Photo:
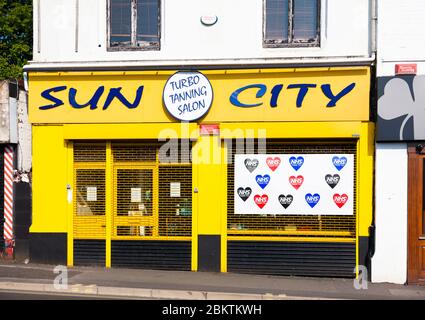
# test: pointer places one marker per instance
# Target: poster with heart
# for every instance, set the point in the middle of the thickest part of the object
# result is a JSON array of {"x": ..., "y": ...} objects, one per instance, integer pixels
[{"x": 294, "y": 184}]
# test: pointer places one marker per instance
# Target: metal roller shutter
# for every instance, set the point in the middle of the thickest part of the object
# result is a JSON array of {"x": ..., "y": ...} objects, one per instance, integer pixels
[
  {"x": 151, "y": 207},
  {"x": 257, "y": 243}
]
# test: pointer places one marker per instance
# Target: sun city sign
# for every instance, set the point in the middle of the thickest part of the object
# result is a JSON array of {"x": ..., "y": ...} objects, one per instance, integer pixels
[{"x": 188, "y": 96}]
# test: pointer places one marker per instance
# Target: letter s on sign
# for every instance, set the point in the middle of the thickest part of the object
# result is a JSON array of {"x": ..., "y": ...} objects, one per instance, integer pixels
[
  {"x": 234, "y": 98},
  {"x": 46, "y": 95}
]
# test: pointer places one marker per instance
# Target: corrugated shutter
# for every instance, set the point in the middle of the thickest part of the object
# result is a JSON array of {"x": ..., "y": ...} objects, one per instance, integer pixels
[
  {"x": 281, "y": 244},
  {"x": 146, "y": 254},
  {"x": 292, "y": 258},
  {"x": 89, "y": 219},
  {"x": 151, "y": 205},
  {"x": 89, "y": 252}
]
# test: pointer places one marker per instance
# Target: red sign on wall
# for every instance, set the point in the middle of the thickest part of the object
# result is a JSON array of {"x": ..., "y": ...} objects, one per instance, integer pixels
[
  {"x": 410, "y": 68},
  {"x": 210, "y": 129}
]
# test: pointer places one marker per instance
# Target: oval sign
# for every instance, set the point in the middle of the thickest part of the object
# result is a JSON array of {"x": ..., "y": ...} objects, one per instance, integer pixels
[
  {"x": 209, "y": 20},
  {"x": 187, "y": 96}
]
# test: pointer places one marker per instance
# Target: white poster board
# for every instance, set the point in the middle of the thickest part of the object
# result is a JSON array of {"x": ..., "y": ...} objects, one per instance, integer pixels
[
  {"x": 175, "y": 189},
  {"x": 91, "y": 193},
  {"x": 294, "y": 184},
  {"x": 136, "y": 194}
]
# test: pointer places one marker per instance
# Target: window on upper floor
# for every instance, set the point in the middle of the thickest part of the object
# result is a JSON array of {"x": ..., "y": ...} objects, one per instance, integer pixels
[
  {"x": 134, "y": 24},
  {"x": 291, "y": 23}
]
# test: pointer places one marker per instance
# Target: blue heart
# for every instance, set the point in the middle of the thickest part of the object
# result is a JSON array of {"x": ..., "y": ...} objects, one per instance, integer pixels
[
  {"x": 312, "y": 199},
  {"x": 296, "y": 163},
  {"x": 262, "y": 181},
  {"x": 339, "y": 163}
]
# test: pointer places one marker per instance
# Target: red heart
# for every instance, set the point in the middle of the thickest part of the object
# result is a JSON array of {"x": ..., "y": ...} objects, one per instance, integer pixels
[
  {"x": 261, "y": 200},
  {"x": 273, "y": 163},
  {"x": 296, "y": 182},
  {"x": 340, "y": 200}
]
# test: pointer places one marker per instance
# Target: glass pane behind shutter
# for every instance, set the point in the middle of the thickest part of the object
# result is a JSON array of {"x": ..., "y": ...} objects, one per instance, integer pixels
[
  {"x": 277, "y": 20},
  {"x": 120, "y": 22},
  {"x": 147, "y": 20},
  {"x": 305, "y": 20}
]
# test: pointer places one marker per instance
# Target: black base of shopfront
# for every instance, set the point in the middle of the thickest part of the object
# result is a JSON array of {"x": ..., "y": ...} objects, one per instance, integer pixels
[
  {"x": 89, "y": 252},
  {"x": 366, "y": 251},
  {"x": 145, "y": 254},
  {"x": 325, "y": 259},
  {"x": 50, "y": 248},
  {"x": 22, "y": 219},
  {"x": 209, "y": 253}
]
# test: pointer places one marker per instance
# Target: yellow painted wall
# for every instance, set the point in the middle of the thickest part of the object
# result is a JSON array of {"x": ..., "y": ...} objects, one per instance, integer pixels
[{"x": 49, "y": 156}]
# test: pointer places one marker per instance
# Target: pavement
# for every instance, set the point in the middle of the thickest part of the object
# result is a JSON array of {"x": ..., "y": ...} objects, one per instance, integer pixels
[{"x": 186, "y": 285}]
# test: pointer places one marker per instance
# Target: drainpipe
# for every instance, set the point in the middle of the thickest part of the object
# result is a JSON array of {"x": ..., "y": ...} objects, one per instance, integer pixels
[
  {"x": 373, "y": 26},
  {"x": 373, "y": 48}
]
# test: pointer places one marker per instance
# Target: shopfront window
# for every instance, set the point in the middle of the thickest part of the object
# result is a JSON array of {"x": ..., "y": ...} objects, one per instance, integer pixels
[
  {"x": 276, "y": 198},
  {"x": 150, "y": 186}
]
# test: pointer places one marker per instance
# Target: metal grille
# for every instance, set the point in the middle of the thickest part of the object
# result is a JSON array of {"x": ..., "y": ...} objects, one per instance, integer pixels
[
  {"x": 89, "y": 204},
  {"x": 290, "y": 225},
  {"x": 150, "y": 201},
  {"x": 144, "y": 204},
  {"x": 89, "y": 152},
  {"x": 131, "y": 152},
  {"x": 134, "y": 210},
  {"x": 175, "y": 212},
  {"x": 150, "y": 198}
]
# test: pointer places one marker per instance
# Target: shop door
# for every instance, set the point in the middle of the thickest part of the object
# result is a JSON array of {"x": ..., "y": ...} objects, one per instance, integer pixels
[
  {"x": 416, "y": 218},
  {"x": 135, "y": 214},
  {"x": 89, "y": 214}
]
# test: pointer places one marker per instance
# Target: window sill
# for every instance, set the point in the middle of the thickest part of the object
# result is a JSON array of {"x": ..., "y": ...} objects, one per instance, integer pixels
[
  {"x": 133, "y": 48},
  {"x": 315, "y": 44}
]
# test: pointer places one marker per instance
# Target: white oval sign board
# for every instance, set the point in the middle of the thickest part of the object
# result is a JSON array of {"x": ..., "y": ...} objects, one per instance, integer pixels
[
  {"x": 209, "y": 20},
  {"x": 187, "y": 96}
]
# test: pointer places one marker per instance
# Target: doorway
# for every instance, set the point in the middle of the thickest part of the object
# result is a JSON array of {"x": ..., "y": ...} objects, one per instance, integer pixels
[{"x": 416, "y": 215}]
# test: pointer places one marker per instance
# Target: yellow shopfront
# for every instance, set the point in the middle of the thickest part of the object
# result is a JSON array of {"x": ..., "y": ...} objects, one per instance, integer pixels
[{"x": 120, "y": 178}]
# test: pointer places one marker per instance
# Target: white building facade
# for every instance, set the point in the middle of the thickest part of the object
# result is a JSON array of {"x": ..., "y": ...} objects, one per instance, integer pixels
[
  {"x": 75, "y": 34},
  {"x": 400, "y": 133}
]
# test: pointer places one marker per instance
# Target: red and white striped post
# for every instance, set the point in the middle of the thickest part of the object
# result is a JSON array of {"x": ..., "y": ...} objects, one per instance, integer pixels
[{"x": 8, "y": 201}]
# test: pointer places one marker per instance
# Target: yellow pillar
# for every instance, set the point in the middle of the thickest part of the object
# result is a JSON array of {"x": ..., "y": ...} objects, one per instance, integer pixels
[
  {"x": 109, "y": 204},
  {"x": 208, "y": 202},
  {"x": 70, "y": 201},
  {"x": 365, "y": 174},
  {"x": 364, "y": 187}
]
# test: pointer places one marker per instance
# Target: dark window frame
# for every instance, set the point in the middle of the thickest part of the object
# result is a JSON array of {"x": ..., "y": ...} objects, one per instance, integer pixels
[
  {"x": 291, "y": 43},
  {"x": 135, "y": 44}
]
